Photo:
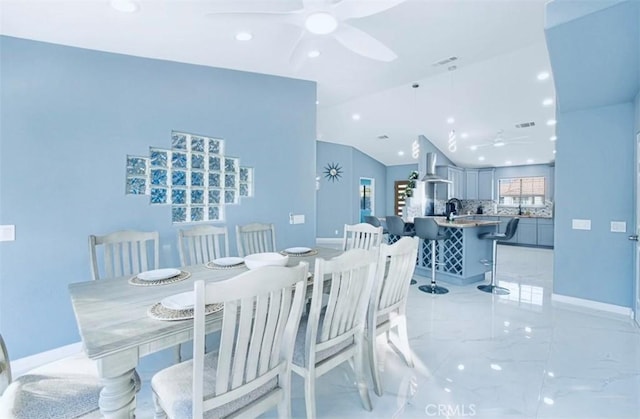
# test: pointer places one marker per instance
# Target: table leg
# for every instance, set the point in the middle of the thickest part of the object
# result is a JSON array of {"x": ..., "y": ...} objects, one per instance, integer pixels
[{"x": 118, "y": 396}]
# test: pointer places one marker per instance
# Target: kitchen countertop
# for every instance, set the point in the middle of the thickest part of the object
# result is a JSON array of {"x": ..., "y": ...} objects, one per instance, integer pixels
[
  {"x": 504, "y": 215},
  {"x": 462, "y": 223}
]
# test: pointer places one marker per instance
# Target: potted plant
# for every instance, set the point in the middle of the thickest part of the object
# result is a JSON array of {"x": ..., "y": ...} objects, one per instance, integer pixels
[{"x": 413, "y": 176}]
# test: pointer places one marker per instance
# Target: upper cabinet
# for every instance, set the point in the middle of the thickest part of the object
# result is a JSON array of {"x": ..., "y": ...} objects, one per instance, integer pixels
[
  {"x": 478, "y": 184},
  {"x": 455, "y": 189}
]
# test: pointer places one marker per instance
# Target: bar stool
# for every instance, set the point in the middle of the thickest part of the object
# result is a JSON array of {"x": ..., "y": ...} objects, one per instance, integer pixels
[
  {"x": 396, "y": 228},
  {"x": 375, "y": 221},
  {"x": 512, "y": 226},
  {"x": 428, "y": 229}
]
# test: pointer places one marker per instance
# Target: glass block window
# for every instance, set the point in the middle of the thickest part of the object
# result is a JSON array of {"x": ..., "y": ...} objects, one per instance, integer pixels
[{"x": 194, "y": 177}]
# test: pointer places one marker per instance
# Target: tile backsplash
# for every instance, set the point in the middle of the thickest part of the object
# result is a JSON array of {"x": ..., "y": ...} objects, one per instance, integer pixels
[{"x": 491, "y": 208}]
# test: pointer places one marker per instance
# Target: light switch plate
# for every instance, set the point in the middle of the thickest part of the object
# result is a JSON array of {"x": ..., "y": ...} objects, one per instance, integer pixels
[
  {"x": 577, "y": 224},
  {"x": 618, "y": 227},
  {"x": 298, "y": 219},
  {"x": 7, "y": 233}
]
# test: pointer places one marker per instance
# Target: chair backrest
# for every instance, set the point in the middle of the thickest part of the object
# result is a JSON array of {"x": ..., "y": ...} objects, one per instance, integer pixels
[
  {"x": 361, "y": 236},
  {"x": 395, "y": 268},
  {"x": 373, "y": 220},
  {"x": 202, "y": 244},
  {"x": 351, "y": 276},
  {"x": 5, "y": 367},
  {"x": 254, "y": 348},
  {"x": 511, "y": 228},
  {"x": 255, "y": 238},
  {"x": 125, "y": 253},
  {"x": 426, "y": 228},
  {"x": 395, "y": 225}
]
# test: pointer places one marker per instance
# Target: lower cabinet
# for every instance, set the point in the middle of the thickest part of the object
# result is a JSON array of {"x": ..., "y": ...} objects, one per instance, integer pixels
[
  {"x": 545, "y": 232},
  {"x": 530, "y": 232}
]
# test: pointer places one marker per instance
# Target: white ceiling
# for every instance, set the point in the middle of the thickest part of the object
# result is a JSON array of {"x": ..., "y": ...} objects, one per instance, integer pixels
[{"x": 499, "y": 44}]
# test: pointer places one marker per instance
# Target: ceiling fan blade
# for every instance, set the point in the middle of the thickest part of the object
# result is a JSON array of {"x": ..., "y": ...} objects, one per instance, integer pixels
[
  {"x": 300, "y": 50},
  {"x": 364, "y": 44},
  {"x": 351, "y": 9},
  {"x": 522, "y": 137}
]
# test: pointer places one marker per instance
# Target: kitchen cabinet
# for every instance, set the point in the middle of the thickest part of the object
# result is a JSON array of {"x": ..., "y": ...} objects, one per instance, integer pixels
[
  {"x": 545, "y": 232},
  {"x": 485, "y": 184},
  {"x": 455, "y": 189},
  {"x": 471, "y": 183},
  {"x": 527, "y": 231}
]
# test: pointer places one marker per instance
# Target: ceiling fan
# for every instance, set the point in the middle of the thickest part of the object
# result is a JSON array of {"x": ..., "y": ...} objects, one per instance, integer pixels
[
  {"x": 326, "y": 18},
  {"x": 500, "y": 141}
]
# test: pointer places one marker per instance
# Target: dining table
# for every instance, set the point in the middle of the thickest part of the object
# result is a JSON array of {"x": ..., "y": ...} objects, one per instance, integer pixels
[{"x": 117, "y": 330}]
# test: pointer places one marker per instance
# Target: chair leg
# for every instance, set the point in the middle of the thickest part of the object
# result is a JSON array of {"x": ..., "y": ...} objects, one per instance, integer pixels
[
  {"x": 403, "y": 340},
  {"x": 373, "y": 364},
  {"x": 310, "y": 393},
  {"x": 284, "y": 407},
  {"x": 493, "y": 287},
  {"x": 433, "y": 288},
  {"x": 359, "y": 372}
]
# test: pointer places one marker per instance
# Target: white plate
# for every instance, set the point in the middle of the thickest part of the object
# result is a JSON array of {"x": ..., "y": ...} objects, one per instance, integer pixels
[
  {"x": 158, "y": 274},
  {"x": 182, "y": 301},
  {"x": 298, "y": 250},
  {"x": 228, "y": 261}
]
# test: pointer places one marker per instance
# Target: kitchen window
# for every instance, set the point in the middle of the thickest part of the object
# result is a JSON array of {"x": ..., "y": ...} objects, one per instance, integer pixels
[{"x": 521, "y": 191}]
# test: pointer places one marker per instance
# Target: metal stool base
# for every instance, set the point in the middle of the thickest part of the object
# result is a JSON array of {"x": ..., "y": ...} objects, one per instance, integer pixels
[
  {"x": 494, "y": 289},
  {"x": 433, "y": 289},
  {"x": 413, "y": 281}
]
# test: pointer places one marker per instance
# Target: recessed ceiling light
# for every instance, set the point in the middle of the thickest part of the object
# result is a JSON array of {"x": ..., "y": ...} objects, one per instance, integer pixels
[
  {"x": 355, "y": 116},
  {"x": 553, "y": 138},
  {"x": 317, "y": 102},
  {"x": 481, "y": 158},
  {"x": 543, "y": 75},
  {"x": 547, "y": 102},
  {"x": 244, "y": 36},
  {"x": 508, "y": 163},
  {"x": 125, "y": 6},
  {"x": 451, "y": 120},
  {"x": 314, "y": 53},
  {"x": 400, "y": 153},
  {"x": 529, "y": 161},
  {"x": 473, "y": 147},
  {"x": 554, "y": 152},
  {"x": 321, "y": 23},
  {"x": 464, "y": 135},
  {"x": 551, "y": 122}
]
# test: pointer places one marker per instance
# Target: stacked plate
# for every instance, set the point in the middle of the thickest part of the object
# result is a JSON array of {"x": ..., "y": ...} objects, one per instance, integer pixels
[
  {"x": 298, "y": 251},
  {"x": 158, "y": 274},
  {"x": 225, "y": 263}
]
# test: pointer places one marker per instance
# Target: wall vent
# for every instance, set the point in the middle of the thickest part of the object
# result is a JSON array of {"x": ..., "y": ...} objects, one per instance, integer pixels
[
  {"x": 525, "y": 124},
  {"x": 383, "y": 137},
  {"x": 444, "y": 61}
]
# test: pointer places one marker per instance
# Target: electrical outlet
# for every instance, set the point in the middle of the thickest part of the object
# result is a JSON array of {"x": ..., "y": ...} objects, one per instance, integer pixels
[
  {"x": 337, "y": 232},
  {"x": 7, "y": 233}
]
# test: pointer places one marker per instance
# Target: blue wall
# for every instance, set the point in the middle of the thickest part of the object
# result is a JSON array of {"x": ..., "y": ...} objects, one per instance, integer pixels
[
  {"x": 68, "y": 119},
  {"x": 595, "y": 53},
  {"x": 338, "y": 202}
]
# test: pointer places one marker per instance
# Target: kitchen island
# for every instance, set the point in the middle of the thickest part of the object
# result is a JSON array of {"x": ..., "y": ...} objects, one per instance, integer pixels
[{"x": 458, "y": 257}]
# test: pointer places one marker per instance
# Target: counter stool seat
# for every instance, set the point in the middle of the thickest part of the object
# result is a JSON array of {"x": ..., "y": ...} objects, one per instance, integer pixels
[
  {"x": 496, "y": 237},
  {"x": 428, "y": 229}
]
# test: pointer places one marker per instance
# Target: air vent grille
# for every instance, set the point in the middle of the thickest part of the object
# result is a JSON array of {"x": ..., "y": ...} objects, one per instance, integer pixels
[
  {"x": 444, "y": 61},
  {"x": 525, "y": 124},
  {"x": 383, "y": 137}
]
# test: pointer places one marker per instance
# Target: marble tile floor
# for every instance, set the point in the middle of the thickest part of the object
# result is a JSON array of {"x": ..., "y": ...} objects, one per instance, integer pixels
[{"x": 487, "y": 356}]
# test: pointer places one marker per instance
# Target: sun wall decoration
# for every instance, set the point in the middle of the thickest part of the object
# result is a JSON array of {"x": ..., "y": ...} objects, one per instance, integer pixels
[{"x": 333, "y": 172}]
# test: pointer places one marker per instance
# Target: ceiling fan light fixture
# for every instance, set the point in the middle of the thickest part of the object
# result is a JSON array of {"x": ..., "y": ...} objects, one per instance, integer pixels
[
  {"x": 124, "y": 6},
  {"x": 499, "y": 143},
  {"x": 314, "y": 53},
  {"x": 244, "y": 36},
  {"x": 473, "y": 147},
  {"x": 321, "y": 23}
]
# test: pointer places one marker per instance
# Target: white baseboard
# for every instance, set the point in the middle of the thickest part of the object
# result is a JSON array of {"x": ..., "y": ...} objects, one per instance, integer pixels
[
  {"x": 331, "y": 242},
  {"x": 23, "y": 365},
  {"x": 595, "y": 305}
]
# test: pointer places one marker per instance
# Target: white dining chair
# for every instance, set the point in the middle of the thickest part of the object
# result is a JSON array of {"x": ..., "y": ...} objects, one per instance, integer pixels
[
  {"x": 388, "y": 305},
  {"x": 361, "y": 236},
  {"x": 255, "y": 238},
  {"x": 124, "y": 253},
  {"x": 250, "y": 373},
  {"x": 329, "y": 336},
  {"x": 202, "y": 244},
  {"x": 67, "y": 388}
]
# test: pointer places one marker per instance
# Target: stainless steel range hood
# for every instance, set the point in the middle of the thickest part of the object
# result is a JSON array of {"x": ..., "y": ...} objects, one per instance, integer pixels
[{"x": 430, "y": 175}]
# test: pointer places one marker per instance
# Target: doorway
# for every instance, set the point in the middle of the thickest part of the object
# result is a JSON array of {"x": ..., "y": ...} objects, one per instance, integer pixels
[
  {"x": 367, "y": 197},
  {"x": 636, "y": 308}
]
